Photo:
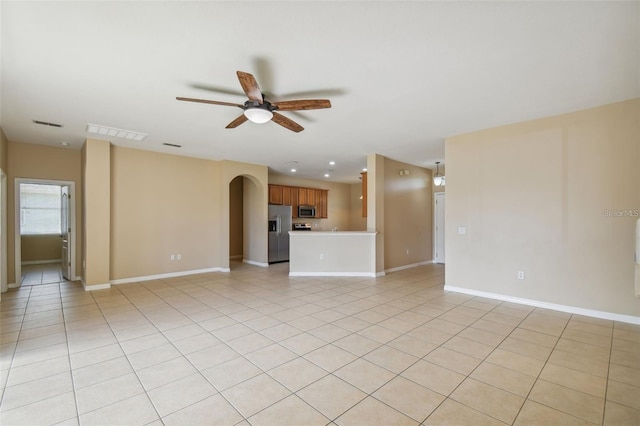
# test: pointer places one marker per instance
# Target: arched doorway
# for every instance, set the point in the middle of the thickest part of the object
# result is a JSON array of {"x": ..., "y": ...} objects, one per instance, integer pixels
[{"x": 247, "y": 224}]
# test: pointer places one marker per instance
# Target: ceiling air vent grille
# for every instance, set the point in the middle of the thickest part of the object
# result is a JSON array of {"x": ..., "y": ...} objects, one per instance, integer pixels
[
  {"x": 46, "y": 123},
  {"x": 116, "y": 133},
  {"x": 173, "y": 145}
]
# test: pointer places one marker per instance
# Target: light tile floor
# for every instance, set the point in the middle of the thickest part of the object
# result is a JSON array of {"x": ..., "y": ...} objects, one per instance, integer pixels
[
  {"x": 42, "y": 273},
  {"x": 256, "y": 347}
]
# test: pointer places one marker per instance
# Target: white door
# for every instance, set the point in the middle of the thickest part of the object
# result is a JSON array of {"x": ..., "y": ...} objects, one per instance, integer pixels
[
  {"x": 65, "y": 233},
  {"x": 438, "y": 256}
]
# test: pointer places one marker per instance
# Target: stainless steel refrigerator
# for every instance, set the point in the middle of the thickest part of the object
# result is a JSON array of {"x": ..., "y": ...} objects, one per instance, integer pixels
[{"x": 279, "y": 227}]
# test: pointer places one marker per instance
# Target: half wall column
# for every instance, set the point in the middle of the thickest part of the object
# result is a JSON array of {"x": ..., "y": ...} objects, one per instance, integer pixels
[{"x": 96, "y": 188}]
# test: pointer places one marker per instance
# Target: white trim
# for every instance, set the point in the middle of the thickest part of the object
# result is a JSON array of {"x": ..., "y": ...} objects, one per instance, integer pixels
[
  {"x": 335, "y": 274},
  {"x": 4, "y": 229},
  {"x": 538, "y": 304},
  {"x": 253, "y": 262},
  {"x": 36, "y": 262},
  {"x": 97, "y": 287},
  {"x": 167, "y": 275},
  {"x": 412, "y": 265},
  {"x": 72, "y": 222}
]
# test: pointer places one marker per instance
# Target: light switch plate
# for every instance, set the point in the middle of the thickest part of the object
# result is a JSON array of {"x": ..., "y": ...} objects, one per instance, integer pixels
[{"x": 462, "y": 230}]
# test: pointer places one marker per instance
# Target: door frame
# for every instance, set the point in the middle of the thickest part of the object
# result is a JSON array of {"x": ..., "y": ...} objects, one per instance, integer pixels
[
  {"x": 3, "y": 232},
  {"x": 437, "y": 232},
  {"x": 72, "y": 223}
]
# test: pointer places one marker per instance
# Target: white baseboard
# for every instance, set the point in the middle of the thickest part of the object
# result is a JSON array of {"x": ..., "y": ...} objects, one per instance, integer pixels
[
  {"x": 38, "y": 262},
  {"x": 253, "y": 262},
  {"x": 556, "y": 307},
  {"x": 412, "y": 265},
  {"x": 168, "y": 275},
  {"x": 96, "y": 287},
  {"x": 335, "y": 274}
]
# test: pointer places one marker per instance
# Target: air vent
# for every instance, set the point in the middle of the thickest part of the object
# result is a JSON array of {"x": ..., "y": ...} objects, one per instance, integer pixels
[
  {"x": 173, "y": 145},
  {"x": 116, "y": 133},
  {"x": 46, "y": 123}
]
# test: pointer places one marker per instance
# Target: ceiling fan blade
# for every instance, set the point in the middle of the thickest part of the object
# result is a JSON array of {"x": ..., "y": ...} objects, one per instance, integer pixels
[
  {"x": 238, "y": 121},
  {"x": 286, "y": 122},
  {"x": 204, "y": 101},
  {"x": 303, "y": 104},
  {"x": 250, "y": 86}
]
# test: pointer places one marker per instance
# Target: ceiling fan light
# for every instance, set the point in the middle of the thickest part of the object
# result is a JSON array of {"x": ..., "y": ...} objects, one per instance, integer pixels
[{"x": 258, "y": 115}]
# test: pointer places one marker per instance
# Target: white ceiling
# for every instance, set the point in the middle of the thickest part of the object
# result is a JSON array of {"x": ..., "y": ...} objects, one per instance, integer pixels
[{"x": 401, "y": 76}]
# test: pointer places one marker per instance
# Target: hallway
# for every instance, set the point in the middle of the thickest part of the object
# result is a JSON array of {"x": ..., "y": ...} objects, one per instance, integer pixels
[{"x": 42, "y": 273}]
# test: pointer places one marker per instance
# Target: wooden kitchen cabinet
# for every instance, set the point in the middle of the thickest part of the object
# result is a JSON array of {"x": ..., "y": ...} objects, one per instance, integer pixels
[
  {"x": 294, "y": 196},
  {"x": 322, "y": 203},
  {"x": 286, "y": 195},
  {"x": 306, "y": 196},
  {"x": 275, "y": 194}
]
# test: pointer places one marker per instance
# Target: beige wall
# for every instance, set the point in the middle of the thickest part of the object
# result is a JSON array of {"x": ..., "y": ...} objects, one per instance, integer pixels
[
  {"x": 4, "y": 151},
  {"x": 96, "y": 178},
  {"x": 41, "y": 162},
  {"x": 339, "y": 213},
  {"x": 408, "y": 214},
  {"x": 533, "y": 196},
  {"x": 40, "y": 247},
  {"x": 162, "y": 205},
  {"x": 357, "y": 221}
]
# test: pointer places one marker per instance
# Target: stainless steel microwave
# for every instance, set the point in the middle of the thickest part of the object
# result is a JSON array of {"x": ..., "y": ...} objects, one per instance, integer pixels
[{"x": 306, "y": 211}]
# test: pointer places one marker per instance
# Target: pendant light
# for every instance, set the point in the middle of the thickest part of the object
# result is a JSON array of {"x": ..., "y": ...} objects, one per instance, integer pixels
[{"x": 438, "y": 179}]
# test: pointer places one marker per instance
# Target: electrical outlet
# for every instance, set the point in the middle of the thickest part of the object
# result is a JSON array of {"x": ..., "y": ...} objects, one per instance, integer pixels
[
  {"x": 172, "y": 257},
  {"x": 407, "y": 251},
  {"x": 521, "y": 275},
  {"x": 321, "y": 256},
  {"x": 179, "y": 256}
]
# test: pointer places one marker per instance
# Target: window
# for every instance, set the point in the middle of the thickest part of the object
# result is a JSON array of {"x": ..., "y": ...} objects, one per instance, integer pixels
[{"x": 40, "y": 209}]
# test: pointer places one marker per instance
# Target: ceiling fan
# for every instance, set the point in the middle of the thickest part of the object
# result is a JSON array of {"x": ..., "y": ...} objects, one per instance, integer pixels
[{"x": 258, "y": 110}]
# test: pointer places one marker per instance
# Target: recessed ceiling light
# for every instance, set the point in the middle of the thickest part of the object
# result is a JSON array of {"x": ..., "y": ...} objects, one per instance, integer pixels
[
  {"x": 293, "y": 170},
  {"x": 332, "y": 163},
  {"x": 364, "y": 170},
  {"x": 64, "y": 143},
  {"x": 116, "y": 133},
  {"x": 326, "y": 175}
]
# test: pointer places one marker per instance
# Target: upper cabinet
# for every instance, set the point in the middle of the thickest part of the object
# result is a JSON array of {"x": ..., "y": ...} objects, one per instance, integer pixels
[
  {"x": 296, "y": 196},
  {"x": 322, "y": 203},
  {"x": 275, "y": 195}
]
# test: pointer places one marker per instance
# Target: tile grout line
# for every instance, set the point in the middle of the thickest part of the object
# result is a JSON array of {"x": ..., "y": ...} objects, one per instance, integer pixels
[
  {"x": 181, "y": 353},
  {"x": 483, "y": 360}
]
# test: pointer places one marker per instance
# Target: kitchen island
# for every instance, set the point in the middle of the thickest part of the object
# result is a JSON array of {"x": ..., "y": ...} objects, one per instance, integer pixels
[{"x": 332, "y": 253}]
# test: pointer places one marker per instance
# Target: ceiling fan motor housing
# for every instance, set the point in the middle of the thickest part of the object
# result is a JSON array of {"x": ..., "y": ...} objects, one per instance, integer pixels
[{"x": 266, "y": 105}]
